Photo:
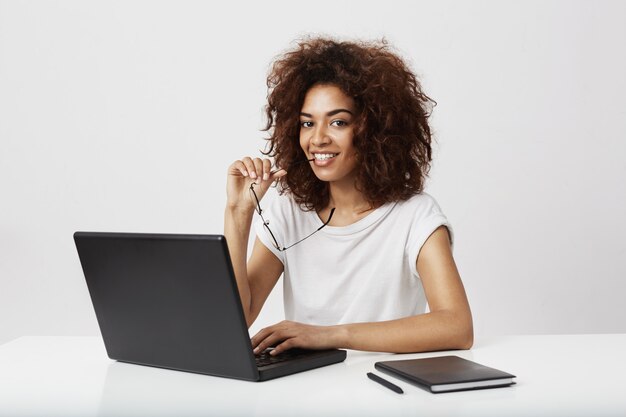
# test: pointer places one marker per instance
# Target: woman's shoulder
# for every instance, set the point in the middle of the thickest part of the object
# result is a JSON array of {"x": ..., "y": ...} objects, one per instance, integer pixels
[
  {"x": 423, "y": 213},
  {"x": 421, "y": 203}
]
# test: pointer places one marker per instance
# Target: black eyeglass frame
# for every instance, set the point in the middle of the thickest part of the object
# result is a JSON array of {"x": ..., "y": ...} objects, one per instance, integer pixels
[{"x": 280, "y": 248}]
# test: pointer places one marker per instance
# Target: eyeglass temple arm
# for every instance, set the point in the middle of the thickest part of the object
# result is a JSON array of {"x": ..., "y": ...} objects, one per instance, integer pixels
[
  {"x": 306, "y": 237},
  {"x": 318, "y": 229},
  {"x": 330, "y": 216}
]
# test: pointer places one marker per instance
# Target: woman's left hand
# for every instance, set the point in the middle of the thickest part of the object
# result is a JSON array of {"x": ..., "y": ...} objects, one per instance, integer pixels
[{"x": 289, "y": 334}]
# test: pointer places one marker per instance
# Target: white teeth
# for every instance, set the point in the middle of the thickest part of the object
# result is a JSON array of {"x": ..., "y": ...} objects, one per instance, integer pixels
[{"x": 324, "y": 156}]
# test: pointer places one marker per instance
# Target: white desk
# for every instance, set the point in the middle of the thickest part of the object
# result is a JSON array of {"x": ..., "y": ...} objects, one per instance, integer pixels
[{"x": 579, "y": 375}]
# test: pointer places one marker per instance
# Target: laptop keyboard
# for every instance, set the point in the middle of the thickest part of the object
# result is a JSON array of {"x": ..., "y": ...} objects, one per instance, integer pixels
[{"x": 265, "y": 358}]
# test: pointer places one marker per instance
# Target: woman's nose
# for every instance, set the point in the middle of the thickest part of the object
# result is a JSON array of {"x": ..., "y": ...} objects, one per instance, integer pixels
[{"x": 320, "y": 137}]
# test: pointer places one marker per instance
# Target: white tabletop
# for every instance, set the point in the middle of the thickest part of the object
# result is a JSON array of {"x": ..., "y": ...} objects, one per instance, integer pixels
[{"x": 573, "y": 375}]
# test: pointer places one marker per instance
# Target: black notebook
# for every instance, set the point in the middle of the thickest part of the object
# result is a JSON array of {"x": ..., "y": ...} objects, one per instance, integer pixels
[{"x": 446, "y": 373}]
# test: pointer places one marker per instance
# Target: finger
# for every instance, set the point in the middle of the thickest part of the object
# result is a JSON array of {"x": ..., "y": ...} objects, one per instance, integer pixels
[
  {"x": 258, "y": 167},
  {"x": 270, "y": 341},
  {"x": 264, "y": 343},
  {"x": 267, "y": 166},
  {"x": 277, "y": 174},
  {"x": 262, "y": 335},
  {"x": 238, "y": 166},
  {"x": 266, "y": 332},
  {"x": 286, "y": 345},
  {"x": 258, "y": 337},
  {"x": 247, "y": 161}
]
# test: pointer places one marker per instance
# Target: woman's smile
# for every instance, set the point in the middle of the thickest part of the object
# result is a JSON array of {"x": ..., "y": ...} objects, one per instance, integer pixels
[{"x": 324, "y": 159}]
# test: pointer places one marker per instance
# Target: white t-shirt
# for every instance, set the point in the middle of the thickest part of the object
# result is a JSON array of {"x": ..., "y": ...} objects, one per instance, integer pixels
[{"x": 362, "y": 272}]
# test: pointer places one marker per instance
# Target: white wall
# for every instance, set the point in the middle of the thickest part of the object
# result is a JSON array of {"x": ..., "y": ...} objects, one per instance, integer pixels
[{"x": 123, "y": 116}]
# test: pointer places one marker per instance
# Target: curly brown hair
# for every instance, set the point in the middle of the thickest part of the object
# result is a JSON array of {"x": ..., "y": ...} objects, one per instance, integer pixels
[{"x": 392, "y": 137}]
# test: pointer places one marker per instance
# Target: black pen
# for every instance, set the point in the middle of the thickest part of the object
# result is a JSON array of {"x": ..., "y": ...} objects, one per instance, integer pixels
[{"x": 385, "y": 383}]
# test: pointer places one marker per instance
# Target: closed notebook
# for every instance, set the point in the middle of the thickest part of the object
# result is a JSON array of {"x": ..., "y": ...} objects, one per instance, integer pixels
[{"x": 446, "y": 373}]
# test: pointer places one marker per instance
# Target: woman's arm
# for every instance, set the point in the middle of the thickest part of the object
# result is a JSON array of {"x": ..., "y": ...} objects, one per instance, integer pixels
[
  {"x": 255, "y": 277},
  {"x": 448, "y": 325},
  {"x": 237, "y": 224}
]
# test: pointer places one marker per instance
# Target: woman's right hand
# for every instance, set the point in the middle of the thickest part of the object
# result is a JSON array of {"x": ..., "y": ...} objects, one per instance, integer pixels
[{"x": 244, "y": 172}]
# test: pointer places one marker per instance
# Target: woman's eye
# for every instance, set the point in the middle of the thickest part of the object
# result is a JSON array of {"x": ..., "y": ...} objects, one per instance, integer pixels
[
  {"x": 338, "y": 123},
  {"x": 306, "y": 124}
]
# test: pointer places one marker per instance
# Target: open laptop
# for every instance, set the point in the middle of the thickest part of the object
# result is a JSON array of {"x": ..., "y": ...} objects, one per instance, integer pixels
[{"x": 171, "y": 301}]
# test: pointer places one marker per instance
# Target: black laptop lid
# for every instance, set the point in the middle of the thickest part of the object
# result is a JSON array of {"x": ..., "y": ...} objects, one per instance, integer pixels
[{"x": 167, "y": 300}]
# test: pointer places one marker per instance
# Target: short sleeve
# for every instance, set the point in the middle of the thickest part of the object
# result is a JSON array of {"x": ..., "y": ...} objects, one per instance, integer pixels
[
  {"x": 427, "y": 217},
  {"x": 273, "y": 212}
]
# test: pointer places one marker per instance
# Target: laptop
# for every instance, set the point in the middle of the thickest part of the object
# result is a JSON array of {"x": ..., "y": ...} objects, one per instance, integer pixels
[{"x": 171, "y": 301}]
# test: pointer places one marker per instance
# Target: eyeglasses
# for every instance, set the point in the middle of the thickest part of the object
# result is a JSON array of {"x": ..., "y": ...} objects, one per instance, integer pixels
[{"x": 266, "y": 223}]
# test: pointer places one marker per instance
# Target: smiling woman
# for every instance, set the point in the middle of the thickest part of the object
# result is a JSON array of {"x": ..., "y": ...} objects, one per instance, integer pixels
[{"x": 349, "y": 133}]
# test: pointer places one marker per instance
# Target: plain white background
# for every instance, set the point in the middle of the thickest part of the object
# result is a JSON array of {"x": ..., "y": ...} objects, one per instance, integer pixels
[{"x": 123, "y": 116}]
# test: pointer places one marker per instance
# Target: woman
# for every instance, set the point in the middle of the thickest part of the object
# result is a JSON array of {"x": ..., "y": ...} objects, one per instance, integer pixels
[{"x": 362, "y": 248}]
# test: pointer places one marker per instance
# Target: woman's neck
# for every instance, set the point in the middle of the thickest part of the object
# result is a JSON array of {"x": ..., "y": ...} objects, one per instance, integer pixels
[{"x": 349, "y": 203}]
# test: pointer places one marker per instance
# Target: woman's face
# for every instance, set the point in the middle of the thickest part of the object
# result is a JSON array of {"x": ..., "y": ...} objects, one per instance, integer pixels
[{"x": 327, "y": 131}]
